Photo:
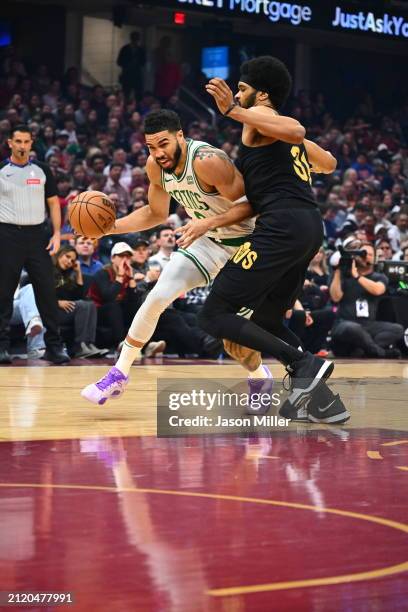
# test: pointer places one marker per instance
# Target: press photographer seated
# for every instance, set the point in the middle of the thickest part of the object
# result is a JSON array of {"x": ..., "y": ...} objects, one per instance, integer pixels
[{"x": 357, "y": 289}]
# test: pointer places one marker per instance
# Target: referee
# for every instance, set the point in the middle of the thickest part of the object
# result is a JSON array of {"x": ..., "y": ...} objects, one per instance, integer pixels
[{"x": 24, "y": 187}]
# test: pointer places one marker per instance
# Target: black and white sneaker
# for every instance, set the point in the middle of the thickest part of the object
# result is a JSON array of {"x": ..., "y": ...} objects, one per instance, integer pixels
[
  {"x": 325, "y": 407},
  {"x": 307, "y": 374},
  {"x": 299, "y": 414}
]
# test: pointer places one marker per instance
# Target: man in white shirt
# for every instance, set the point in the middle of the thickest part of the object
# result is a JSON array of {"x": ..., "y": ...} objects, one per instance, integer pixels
[
  {"x": 398, "y": 233},
  {"x": 166, "y": 243}
]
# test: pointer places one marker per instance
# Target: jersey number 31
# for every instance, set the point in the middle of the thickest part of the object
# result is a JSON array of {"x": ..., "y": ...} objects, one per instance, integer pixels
[{"x": 300, "y": 164}]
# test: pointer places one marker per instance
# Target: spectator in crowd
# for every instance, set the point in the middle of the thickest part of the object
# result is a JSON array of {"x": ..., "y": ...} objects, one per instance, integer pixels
[
  {"x": 117, "y": 296},
  {"x": 80, "y": 178},
  {"x": 383, "y": 251},
  {"x": 85, "y": 248},
  {"x": 357, "y": 290},
  {"x": 354, "y": 220},
  {"x": 166, "y": 244},
  {"x": 330, "y": 225},
  {"x": 113, "y": 291},
  {"x": 132, "y": 58},
  {"x": 399, "y": 255},
  {"x": 398, "y": 233},
  {"x": 73, "y": 309},
  {"x": 25, "y": 312},
  {"x": 317, "y": 272},
  {"x": 113, "y": 186},
  {"x": 140, "y": 256}
]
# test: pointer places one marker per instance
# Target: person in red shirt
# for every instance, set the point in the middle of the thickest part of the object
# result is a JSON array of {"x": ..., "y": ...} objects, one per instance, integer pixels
[{"x": 114, "y": 292}]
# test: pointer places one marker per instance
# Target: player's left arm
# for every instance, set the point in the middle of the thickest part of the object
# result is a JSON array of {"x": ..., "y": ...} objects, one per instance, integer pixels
[
  {"x": 322, "y": 162},
  {"x": 261, "y": 118},
  {"x": 214, "y": 168}
]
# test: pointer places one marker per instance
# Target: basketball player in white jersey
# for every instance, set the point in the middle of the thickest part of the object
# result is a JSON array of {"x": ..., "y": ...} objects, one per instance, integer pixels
[{"x": 205, "y": 181}]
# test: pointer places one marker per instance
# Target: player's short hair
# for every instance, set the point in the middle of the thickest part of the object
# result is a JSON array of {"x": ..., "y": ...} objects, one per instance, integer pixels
[
  {"x": 22, "y": 127},
  {"x": 268, "y": 74},
  {"x": 161, "y": 120}
]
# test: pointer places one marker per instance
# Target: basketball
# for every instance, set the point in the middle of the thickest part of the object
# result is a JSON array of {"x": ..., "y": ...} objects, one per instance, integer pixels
[{"x": 92, "y": 214}]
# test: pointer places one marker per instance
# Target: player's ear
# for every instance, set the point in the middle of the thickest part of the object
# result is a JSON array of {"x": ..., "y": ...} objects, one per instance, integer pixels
[{"x": 180, "y": 136}]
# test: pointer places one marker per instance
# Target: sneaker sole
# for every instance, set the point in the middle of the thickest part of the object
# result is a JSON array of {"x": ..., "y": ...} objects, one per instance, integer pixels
[
  {"x": 342, "y": 417},
  {"x": 115, "y": 395},
  {"x": 323, "y": 374}
]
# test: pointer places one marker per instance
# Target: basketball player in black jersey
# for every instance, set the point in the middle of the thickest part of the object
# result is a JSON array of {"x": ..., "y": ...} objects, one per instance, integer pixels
[{"x": 267, "y": 272}]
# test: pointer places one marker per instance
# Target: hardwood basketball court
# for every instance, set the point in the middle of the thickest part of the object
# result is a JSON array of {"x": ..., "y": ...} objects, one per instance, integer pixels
[{"x": 309, "y": 517}]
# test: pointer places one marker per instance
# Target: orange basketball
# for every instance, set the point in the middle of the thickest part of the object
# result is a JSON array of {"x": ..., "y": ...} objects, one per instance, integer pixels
[{"x": 92, "y": 214}]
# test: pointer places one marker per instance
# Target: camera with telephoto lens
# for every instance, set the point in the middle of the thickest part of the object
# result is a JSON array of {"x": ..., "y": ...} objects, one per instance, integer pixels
[{"x": 347, "y": 258}]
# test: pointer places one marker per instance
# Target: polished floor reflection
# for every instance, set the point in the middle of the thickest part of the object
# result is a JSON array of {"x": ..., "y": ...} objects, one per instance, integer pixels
[{"x": 311, "y": 518}]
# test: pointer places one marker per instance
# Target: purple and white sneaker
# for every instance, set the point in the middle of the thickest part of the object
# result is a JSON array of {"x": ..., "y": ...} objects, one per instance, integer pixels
[
  {"x": 260, "y": 386},
  {"x": 111, "y": 386}
]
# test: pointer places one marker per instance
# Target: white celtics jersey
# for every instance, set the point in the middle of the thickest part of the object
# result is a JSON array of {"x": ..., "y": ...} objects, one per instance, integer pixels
[{"x": 198, "y": 203}]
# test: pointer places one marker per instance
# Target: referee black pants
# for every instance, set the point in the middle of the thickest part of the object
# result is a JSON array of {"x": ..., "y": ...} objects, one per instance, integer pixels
[{"x": 24, "y": 246}]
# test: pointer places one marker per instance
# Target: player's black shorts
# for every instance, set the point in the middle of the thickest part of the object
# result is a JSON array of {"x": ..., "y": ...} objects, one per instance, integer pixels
[{"x": 272, "y": 263}]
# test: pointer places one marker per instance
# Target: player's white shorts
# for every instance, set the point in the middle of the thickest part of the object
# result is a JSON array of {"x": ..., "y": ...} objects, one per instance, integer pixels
[{"x": 209, "y": 256}]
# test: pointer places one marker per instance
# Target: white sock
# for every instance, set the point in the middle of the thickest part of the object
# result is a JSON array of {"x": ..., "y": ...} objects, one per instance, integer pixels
[
  {"x": 127, "y": 356},
  {"x": 260, "y": 372}
]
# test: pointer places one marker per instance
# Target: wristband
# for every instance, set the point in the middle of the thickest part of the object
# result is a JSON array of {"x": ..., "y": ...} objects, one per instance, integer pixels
[{"x": 229, "y": 109}]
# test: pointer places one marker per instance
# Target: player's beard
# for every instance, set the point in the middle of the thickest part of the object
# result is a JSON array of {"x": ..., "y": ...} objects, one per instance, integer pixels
[
  {"x": 176, "y": 159},
  {"x": 250, "y": 101}
]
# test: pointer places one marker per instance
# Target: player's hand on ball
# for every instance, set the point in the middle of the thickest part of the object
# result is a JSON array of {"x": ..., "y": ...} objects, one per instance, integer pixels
[
  {"x": 191, "y": 231},
  {"x": 221, "y": 93}
]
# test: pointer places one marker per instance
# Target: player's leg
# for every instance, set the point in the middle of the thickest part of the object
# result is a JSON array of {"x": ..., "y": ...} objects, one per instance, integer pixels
[
  {"x": 180, "y": 275},
  {"x": 275, "y": 256},
  {"x": 269, "y": 315}
]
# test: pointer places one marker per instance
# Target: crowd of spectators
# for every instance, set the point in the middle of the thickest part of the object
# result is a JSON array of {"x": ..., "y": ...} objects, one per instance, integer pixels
[{"x": 92, "y": 139}]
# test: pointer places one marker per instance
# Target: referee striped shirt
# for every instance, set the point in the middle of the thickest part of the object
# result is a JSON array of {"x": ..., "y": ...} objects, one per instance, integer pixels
[{"x": 23, "y": 192}]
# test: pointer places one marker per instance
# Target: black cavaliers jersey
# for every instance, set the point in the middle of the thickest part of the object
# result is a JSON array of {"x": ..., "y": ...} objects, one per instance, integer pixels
[{"x": 275, "y": 175}]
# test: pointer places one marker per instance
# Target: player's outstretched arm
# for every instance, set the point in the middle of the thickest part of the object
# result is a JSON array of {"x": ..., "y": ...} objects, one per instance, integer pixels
[
  {"x": 155, "y": 213},
  {"x": 260, "y": 118},
  {"x": 322, "y": 161}
]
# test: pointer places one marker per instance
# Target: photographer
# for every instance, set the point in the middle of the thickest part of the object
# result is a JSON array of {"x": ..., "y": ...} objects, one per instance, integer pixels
[{"x": 356, "y": 288}]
